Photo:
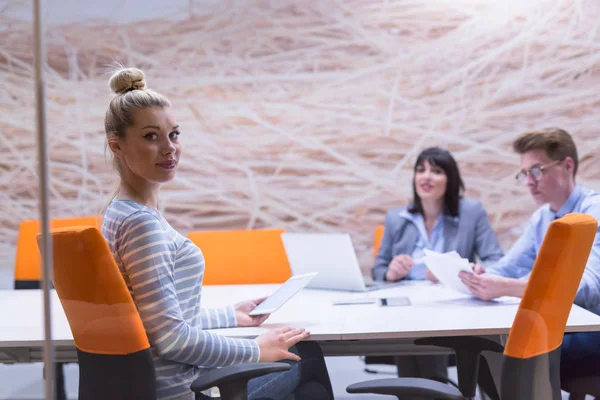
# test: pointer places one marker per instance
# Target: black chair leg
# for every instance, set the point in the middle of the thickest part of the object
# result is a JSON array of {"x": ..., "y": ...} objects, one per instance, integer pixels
[
  {"x": 59, "y": 381},
  {"x": 486, "y": 380},
  {"x": 61, "y": 391}
]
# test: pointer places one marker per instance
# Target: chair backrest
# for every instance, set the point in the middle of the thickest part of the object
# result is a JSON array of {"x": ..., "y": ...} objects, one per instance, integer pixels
[
  {"x": 112, "y": 346},
  {"x": 243, "y": 256},
  {"x": 28, "y": 271},
  {"x": 377, "y": 239},
  {"x": 94, "y": 296},
  {"x": 532, "y": 352}
]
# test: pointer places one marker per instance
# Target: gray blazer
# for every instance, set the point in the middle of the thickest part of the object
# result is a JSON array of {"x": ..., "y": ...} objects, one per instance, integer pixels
[{"x": 469, "y": 235}]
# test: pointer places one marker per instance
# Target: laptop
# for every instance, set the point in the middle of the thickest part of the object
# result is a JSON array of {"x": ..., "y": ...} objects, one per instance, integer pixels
[{"x": 332, "y": 256}]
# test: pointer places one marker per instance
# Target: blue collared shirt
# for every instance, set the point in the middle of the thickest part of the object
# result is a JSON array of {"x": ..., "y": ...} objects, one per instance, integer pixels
[
  {"x": 434, "y": 242},
  {"x": 518, "y": 262}
]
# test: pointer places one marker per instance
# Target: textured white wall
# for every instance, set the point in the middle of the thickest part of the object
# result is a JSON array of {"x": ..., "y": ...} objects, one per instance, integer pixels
[{"x": 302, "y": 114}]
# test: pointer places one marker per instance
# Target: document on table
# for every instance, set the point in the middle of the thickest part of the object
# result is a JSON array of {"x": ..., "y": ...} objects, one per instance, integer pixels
[{"x": 446, "y": 267}]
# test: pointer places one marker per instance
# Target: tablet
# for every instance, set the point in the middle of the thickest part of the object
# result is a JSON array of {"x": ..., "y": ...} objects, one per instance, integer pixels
[{"x": 283, "y": 294}]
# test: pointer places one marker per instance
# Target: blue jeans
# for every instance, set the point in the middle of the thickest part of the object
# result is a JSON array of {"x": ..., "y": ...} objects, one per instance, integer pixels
[
  {"x": 580, "y": 355},
  {"x": 307, "y": 379}
]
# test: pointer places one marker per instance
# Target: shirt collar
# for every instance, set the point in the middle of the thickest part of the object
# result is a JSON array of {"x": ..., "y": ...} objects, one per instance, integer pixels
[
  {"x": 569, "y": 205},
  {"x": 405, "y": 214}
]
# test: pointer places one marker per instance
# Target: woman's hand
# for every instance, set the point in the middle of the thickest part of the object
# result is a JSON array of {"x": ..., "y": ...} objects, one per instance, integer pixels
[
  {"x": 399, "y": 267},
  {"x": 243, "y": 309},
  {"x": 274, "y": 344}
]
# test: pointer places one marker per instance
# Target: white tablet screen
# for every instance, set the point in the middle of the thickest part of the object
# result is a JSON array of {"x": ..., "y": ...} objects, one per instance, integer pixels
[{"x": 283, "y": 294}]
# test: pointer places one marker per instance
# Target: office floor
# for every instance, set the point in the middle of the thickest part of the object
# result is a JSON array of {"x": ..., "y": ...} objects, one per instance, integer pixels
[
  {"x": 343, "y": 370},
  {"x": 25, "y": 381}
]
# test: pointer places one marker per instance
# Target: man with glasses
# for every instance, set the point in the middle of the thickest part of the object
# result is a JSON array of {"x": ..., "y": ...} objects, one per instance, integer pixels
[{"x": 548, "y": 166}]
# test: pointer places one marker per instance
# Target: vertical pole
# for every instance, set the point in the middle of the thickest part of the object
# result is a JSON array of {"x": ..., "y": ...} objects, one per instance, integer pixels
[{"x": 40, "y": 58}]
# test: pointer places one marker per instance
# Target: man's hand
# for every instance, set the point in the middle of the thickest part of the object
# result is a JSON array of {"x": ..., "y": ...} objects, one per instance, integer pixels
[
  {"x": 399, "y": 267},
  {"x": 487, "y": 286},
  {"x": 242, "y": 309},
  {"x": 477, "y": 268}
]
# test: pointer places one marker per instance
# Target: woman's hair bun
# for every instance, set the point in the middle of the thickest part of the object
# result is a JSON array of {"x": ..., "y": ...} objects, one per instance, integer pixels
[{"x": 126, "y": 79}]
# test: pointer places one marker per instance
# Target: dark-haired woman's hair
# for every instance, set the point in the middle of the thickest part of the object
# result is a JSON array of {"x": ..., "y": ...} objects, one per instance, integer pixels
[{"x": 443, "y": 159}]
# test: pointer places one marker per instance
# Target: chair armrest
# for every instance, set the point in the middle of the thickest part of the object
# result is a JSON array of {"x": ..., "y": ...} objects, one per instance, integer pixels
[
  {"x": 234, "y": 378},
  {"x": 408, "y": 387},
  {"x": 459, "y": 343},
  {"x": 467, "y": 351}
]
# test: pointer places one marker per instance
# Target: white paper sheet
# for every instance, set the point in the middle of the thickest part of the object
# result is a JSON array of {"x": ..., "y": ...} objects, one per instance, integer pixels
[{"x": 446, "y": 267}]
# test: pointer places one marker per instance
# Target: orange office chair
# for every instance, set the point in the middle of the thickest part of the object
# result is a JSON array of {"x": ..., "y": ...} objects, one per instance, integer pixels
[
  {"x": 531, "y": 365},
  {"x": 243, "y": 256},
  {"x": 28, "y": 270},
  {"x": 113, "y": 351},
  {"x": 377, "y": 240}
]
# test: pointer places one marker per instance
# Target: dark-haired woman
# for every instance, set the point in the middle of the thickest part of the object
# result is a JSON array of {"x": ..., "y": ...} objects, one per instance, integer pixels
[{"x": 438, "y": 219}]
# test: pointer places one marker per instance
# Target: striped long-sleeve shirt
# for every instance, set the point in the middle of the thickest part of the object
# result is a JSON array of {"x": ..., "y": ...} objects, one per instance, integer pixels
[{"x": 164, "y": 272}]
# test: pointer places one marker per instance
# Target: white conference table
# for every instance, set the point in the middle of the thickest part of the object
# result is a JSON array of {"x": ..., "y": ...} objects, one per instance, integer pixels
[
  {"x": 369, "y": 329},
  {"x": 341, "y": 329}
]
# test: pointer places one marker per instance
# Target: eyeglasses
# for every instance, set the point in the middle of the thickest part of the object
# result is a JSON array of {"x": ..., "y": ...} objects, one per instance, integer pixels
[{"x": 536, "y": 172}]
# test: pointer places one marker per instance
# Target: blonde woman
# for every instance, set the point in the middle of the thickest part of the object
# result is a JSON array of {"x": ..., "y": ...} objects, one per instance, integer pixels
[{"x": 164, "y": 269}]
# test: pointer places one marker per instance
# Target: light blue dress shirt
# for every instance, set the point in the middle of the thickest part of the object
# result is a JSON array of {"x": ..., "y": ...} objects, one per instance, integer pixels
[
  {"x": 518, "y": 262},
  {"x": 434, "y": 242}
]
